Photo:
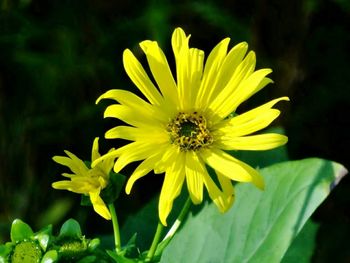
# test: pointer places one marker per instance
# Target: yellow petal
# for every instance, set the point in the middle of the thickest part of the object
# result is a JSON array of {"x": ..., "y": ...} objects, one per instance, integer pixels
[
  {"x": 144, "y": 168},
  {"x": 194, "y": 177},
  {"x": 178, "y": 40},
  {"x": 111, "y": 154},
  {"x": 226, "y": 186},
  {"x": 76, "y": 165},
  {"x": 99, "y": 205},
  {"x": 135, "y": 151},
  {"x": 231, "y": 167},
  {"x": 225, "y": 164},
  {"x": 130, "y": 116},
  {"x": 246, "y": 125},
  {"x": 231, "y": 99},
  {"x": 136, "y": 103},
  {"x": 173, "y": 181},
  {"x": 220, "y": 199},
  {"x": 229, "y": 65},
  {"x": 211, "y": 69},
  {"x": 139, "y": 77},
  {"x": 133, "y": 134},
  {"x": 94, "y": 152},
  {"x": 243, "y": 71},
  {"x": 161, "y": 72},
  {"x": 254, "y": 142}
]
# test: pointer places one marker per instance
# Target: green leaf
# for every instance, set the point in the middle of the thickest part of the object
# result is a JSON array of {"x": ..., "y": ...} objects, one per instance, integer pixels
[
  {"x": 261, "y": 225},
  {"x": 303, "y": 245},
  {"x": 71, "y": 228},
  {"x": 44, "y": 236},
  {"x": 50, "y": 257},
  {"x": 120, "y": 259},
  {"x": 20, "y": 230}
]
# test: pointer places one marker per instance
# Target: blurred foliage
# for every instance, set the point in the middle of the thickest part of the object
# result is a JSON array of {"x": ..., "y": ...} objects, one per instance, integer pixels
[{"x": 57, "y": 57}]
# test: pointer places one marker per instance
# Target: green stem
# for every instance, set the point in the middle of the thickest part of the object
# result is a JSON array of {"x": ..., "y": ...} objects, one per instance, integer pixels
[
  {"x": 115, "y": 228},
  {"x": 155, "y": 242},
  {"x": 178, "y": 221}
]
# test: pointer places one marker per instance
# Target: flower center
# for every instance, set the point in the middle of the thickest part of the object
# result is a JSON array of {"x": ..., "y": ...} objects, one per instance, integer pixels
[{"x": 189, "y": 131}]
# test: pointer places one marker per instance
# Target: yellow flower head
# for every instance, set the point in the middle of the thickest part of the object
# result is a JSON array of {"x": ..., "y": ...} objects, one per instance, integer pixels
[
  {"x": 185, "y": 125},
  {"x": 87, "y": 181}
]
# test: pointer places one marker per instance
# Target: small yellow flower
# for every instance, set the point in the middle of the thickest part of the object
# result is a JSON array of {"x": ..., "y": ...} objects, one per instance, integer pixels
[
  {"x": 85, "y": 180},
  {"x": 187, "y": 124}
]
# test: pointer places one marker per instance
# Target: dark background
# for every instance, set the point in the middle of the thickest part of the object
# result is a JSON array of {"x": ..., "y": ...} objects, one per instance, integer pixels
[{"x": 57, "y": 57}]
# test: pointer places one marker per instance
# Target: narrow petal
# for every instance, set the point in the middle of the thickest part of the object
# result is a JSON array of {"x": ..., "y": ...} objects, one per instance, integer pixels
[
  {"x": 243, "y": 71},
  {"x": 130, "y": 100},
  {"x": 134, "y": 134},
  {"x": 79, "y": 187},
  {"x": 194, "y": 177},
  {"x": 135, "y": 151},
  {"x": 140, "y": 78},
  {"x": 179, "y": 40},
  {"x": 107, "y": 164},
  {"x": 250, "y": 121},
  {"x": 254, "y": 142},
  {"x": 130, "y": 116},
  {"x": 226, "y": 186},
  {"x": 233, "y": 128},
  {"x": 161, "y": 72},
  {"x": 111, "y": 154},
  {"x": 167, "y": 158},
  {"x": 76, "y": 165},
  {"x": 231, "y": 167},
  {"x": 144, "y": 168},
  {"x": 211, "y": 69},
  {"x": 173, "y": 181},
  {"x": 99, "y": 205},
  {"x": 229, "y": 65},
  {"x": 245, "y": 89},
  {"x": 220, "y": 199},
  {"x": 95, "y": 152}
]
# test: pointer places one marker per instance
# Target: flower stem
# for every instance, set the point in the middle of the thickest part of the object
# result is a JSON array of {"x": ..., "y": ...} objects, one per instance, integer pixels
[
  {"x": 115, "y": 228},
  {"x": 155, "y": 242},
  {"x": 178, "y": 221}
]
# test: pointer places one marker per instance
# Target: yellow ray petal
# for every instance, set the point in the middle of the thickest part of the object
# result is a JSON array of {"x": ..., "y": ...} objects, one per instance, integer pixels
[
  {"x": 243, "y": 71},
  {"x": 173, "y": 181},
  {"x": 99, "y": 205},
  {"x": 211, "y": 69},
  {"x": 134, "y": 134},
  {"x": 94, "y": 152},
  {"x": 110, "y": 154},
  {"x": 139, "y": 77},
  {"x": 232, "y": 128},
  {"x": 194, "y": 177},
  {"x": 229, "y": 65},
  {"x": 132, "y": 101},
  {"x": 161, "y": 72},
  {"x": 254, "y": 142},
  {"x": 231, "y": 167},
  {"x": 179, "y": 40},
  {"x": 135, "y": 151},
  {"x": 76, "y": 165},
  {"x": 226, "y": 186},
  {"x": 220, "y": 199},
  {"x": 144, "y": 168},
  {"x": 245, "y": 89},
  {"x": 130, "y": 116}
]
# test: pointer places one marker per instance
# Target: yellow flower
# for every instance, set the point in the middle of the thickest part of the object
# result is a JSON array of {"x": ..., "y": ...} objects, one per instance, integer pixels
[
  {"x": 187, "y": 124},
  {"x": 85, "y": 180}
]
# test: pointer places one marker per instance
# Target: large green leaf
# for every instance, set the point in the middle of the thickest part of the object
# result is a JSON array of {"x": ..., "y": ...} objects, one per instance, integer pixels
[
  {"x": 262, "y": 224},
  {"x": 302, "y": 248}
]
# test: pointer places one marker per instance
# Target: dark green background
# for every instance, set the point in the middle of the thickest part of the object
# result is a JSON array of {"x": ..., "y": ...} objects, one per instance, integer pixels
[{"x": 58, "y": 56}]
